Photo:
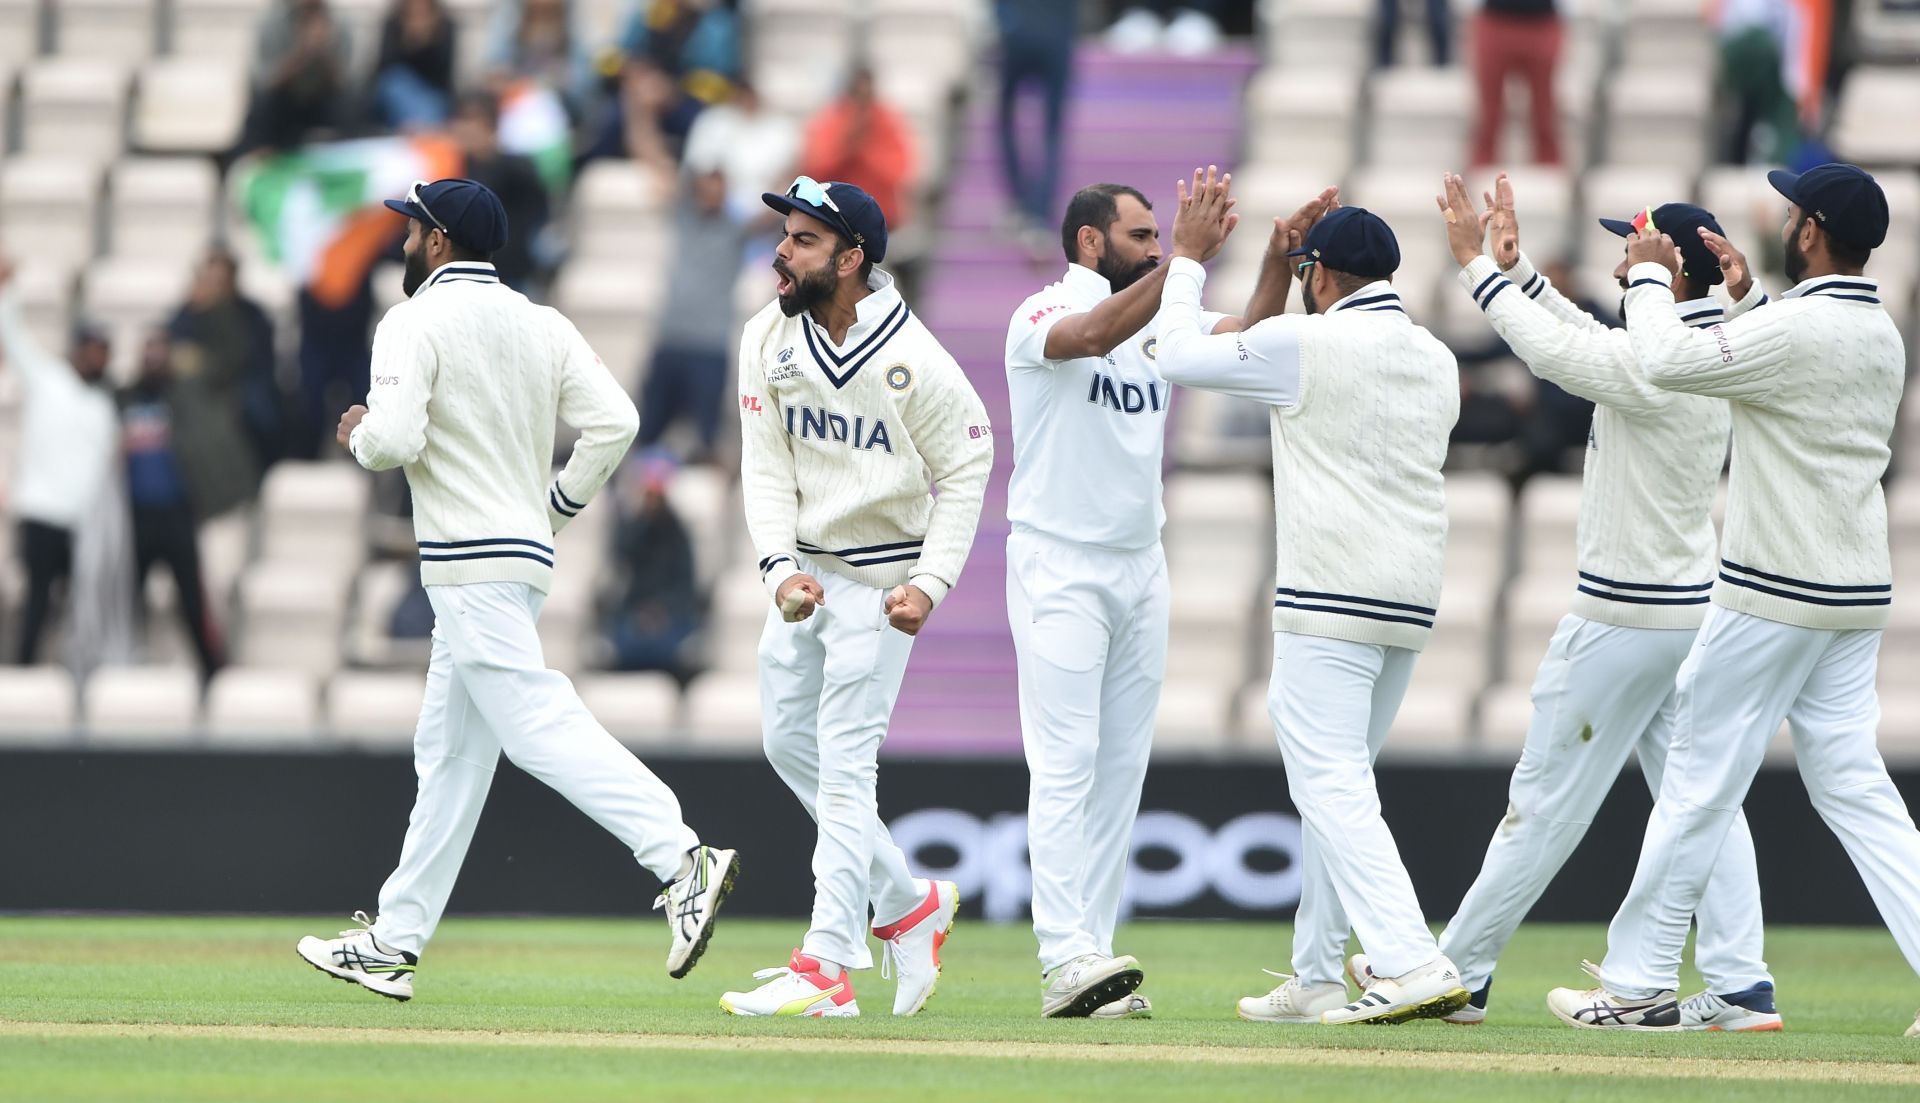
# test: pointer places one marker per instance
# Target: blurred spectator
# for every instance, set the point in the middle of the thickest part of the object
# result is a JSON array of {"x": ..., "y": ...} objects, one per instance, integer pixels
[
  {"x": 67, "y": 440},
  {"x": 413, "y": 79},
  {"x": 224, "y": 356},
  {"x": 1516, "y": 37},
  {"x": 689, "y": 374},
  {"x": 1763, "y": 122},
  {"x": 301, "y": 80},
  {"x": 335, "y": 357},
  {"x": 697, "y": 42},
  {"x": 660, "y": 606},
  {"x": 647, "y": 120},
  {"x": 514, "y": 178},
  {"x": 1439, "y": 31},
  {"x": 1188, "y": 28},
  {"x": 755, "y": 149},
  {"x": 165, "y": 458},
  {"x": 1036, "y": 48},
  {"x": 1544, "y": 424},
  {"x": 540, "y": 40},
  {"x": 860, "y": 140}
]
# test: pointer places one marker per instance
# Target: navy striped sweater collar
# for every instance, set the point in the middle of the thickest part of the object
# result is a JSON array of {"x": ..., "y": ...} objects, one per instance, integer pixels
[
  {"x": 878, "y": 317},
  {"x": 1859, "y": 289},
  {"x": 1699, "y": 313},
  {"x": 460, "y": 271},
  {"x": 1377, "y": 297}
]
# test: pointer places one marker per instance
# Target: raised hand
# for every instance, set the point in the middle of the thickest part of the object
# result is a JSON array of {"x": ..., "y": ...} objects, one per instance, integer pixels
[
  {"x": 1310, "y": 212},
  {"x": 1733, "y": 264},
  {"x": 1652, "y": 248},
  {"x": 1466, "y": 226},
  {"x": 1205, "y": 215},
  {"x": 1503, "y": 226}
]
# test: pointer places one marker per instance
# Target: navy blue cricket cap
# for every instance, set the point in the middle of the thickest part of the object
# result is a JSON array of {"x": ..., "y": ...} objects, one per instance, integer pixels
[
  {"x": 1352, "y": 240},
  {"x": 1681, "y": 222},
  {"x": 850, "y": 211},
  {"x": 466, "y": 211},
  {"x": 1844, "y": 199}
]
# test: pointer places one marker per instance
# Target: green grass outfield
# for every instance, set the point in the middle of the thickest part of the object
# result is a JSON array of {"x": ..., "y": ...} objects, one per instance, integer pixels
[{"x": 107, "y": 1008}]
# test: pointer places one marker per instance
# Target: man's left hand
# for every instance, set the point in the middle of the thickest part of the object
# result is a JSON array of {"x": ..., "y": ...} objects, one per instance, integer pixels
[
  {"x": 1653, "y": 249},
  {"x": 908, "y": 608},
  {"x": 349, "y": 421}
]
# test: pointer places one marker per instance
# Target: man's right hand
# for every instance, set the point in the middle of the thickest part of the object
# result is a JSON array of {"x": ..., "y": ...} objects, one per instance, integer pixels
[
  {"x": 1203, "y": 218},
  {"x": 799, "y": 596},
  {"x": 1503, "y": 226}
]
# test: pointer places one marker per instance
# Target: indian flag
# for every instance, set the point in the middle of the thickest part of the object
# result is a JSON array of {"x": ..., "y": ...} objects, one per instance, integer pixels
[
  {"x": 318, "y": 209},
  {"x": 533, "y": 123}
]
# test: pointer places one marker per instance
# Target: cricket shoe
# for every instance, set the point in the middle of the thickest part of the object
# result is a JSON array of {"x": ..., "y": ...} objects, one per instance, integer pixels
[
  {"x": 800, "y": 989},
  {"x": 1432, "y": 991},
  {"x": 912, "y": 950},
  {"x": 693, "y": 902},
  {"x": 1135, "y": 1006},
  {"x": 1293, "y": 1002},
  {"x": 1914, "y": 1030},
  {"x": 1087, "y": 983},
  {"x": 1473, "y": 1014},
  {"x": 1746, "y": 1011},
  {"x": 358, "y": 957},
  {"x": 1599, "y": 1009}
]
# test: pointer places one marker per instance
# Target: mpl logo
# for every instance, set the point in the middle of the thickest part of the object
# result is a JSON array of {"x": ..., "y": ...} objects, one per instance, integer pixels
[{"x": 988, "y": 859}]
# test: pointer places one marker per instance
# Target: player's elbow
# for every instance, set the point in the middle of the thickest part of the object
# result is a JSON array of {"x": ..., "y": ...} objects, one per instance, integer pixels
[{"x": 624, "y": 425}]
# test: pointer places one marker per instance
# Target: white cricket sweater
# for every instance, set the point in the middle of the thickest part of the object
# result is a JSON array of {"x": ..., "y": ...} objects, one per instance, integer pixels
[
  {"x": 1814, "y": 379},
  {"x": 839, "y": 445},
  {"x": 69, "y": 432},
  {"x": 468, "y": 379},
  {"x": 1363, "y": 403},
  {"x": 1647, "y": 548}
]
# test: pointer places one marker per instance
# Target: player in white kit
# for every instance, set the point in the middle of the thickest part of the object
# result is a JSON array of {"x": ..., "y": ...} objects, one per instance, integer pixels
[
  {"x": 1803, "y": 591},
  {"x": 849, "y": 409},
  {"x": 1363, "y": 402},
  {"x": 468, "y": 379},
  {"x": 1646, "y": 558},
  {"x": 1086, "y": 578}
]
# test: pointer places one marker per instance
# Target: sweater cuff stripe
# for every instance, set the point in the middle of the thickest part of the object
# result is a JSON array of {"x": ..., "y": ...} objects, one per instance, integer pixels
[
  {"x": 1495, "y": 293},
  {"x": 1532, "y": 288},
  {"x": 772, "y": 561},
  {"x": 1484, "y": 284},
  {"x": 576, "y": 506},
  {"x": 553, "y": 499},
  {"x": 1647, "y": 283}
]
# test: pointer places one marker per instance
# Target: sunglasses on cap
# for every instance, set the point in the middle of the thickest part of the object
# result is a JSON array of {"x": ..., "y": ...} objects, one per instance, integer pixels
[
  {"x": 414, "y": 197},
  {"x": 814, "y": 194},
  {"x": 1643, "y": 222}
]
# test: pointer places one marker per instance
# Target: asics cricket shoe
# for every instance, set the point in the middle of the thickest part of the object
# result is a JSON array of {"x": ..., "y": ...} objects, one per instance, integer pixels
[
  {"x": 912, "y": 950},
  {"x": 1432, "y": 991},
  {"x": 800, "y": 989},
  {"x": 1294, "y": 1001},
  {"x": 1599, "y": 1009},
  {"x": 1135, "y": 1006},
  {"x": 1745, "y": 1011},
  {"x": 1473, "y": 1014},
  {"x": 1087, "y": 983},
  {"x": 358, "y": 957},
  {"x": 691, "y": 904}
]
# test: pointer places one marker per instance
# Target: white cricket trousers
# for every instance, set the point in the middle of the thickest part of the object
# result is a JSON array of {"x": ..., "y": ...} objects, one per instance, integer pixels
[
  {"x": 1090, "y": 639},
  {"x": 1744, "y": 675},
  {"x": 1332, "y": 703},
  {"x": 827, "y": 687},
  {"x": 1601, "y": 692},
  {"x": 488, "y": 691}
]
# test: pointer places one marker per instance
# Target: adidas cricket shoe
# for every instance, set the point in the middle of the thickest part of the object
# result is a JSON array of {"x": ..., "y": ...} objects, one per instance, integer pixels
[
  {"x": 1432, "y": 991},
  {"x": 1599, "y": 1009},
  {"x": 359, "y": 958},
  {"x": 1749, "y": 1010},
  {"x": 912, "y": 951},
  {"x": 1473, "y": 1014},
  {"x": 692, "y": 903},
  {"x": 1135, "y": 1006},
  {"x": 1087, "y": 983},
  {"x": 1293, "y": 1002},
  {"x": 799, "y": 990}
]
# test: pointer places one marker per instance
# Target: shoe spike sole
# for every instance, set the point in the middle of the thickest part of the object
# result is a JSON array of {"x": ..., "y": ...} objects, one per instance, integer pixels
[
  {"x": 349, "y": 980},
  {"x": 1117, "y": 986},
  {"x": 1438, "y": 1007},
  {"x": 713, "y": 920}
]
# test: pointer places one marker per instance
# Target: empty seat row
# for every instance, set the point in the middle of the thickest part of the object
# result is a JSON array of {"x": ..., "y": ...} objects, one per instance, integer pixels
[{"x": 94, "y": 108}]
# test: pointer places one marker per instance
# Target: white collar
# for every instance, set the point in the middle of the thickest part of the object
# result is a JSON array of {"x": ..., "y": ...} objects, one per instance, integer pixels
[
  {"x": 868, "y": 313},
  {"x": 460, "y": 271},
  {"x": 1089, "y": 286},
  {"x": 1861, "y": 289},
  {"x": 1375, "y": 297}
]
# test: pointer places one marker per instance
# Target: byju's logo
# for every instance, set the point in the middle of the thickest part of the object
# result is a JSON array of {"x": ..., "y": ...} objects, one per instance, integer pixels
[{"x": 1252, "y": 862}]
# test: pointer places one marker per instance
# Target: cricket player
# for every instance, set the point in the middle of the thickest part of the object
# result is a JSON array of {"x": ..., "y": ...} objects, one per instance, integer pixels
[
  {"x": 1086, "y": 578},
  {"x": 1363, "y": 402},
  {"x": 1646, "y": 557},
  {"x": 468, "y": 378},
  {"x": 1803, "y": 591},
  {"x": 849, "y": 410}
]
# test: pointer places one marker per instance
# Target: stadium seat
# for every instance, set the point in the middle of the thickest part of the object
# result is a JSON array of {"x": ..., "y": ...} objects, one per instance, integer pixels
[
  {"x": 123, "y": 31},
  {"x": 641, "y": 710},
  {"x": 1897, "y": 260},
  {"x": 723, "y": 714},
  {"x": 1252, "y": 725},
  {"x": 161, "y": 208},
  {"x": 1549, "y": 520},
  {"x": 47, "y": 207},
  {"x": 1535, "y": 603},
  {"x": 378, "y": 591},
  {"x": 1747, "y": 208},
  {"x": 1420, "y": 119},
  {"x": 141, "y": 706},
  {"x": 376, "y": 710},
  {"x": 1545, "y": 203},
  {"x": 1667, "y": 35},
  {"x": 933, "y": 37},
  {"x": 1318, "y": 142},
  {"x": 214, "y": 29},
  {"x": 1505, "y": 713},
  {"x": 189, "y": 105},
  {"x": 1658, "y": 118},
  {"x": 290, "y": 617},
  {"x": 130, "y": 297},
  {"x": 1432, "y": 724},
  {"x": 1402, "y": 194},
  {"x": 74, "y": 107},
  {"x": 1324, "y": 34},
  {"x": 616, "y": 306},
  {"x": 801, "y": 51},
  {"x": 40, "y": 705},
  {"x": 1873, "y": 122},
  {"x": 1479, "y": 510},
  {"x": 256, "y": 709},
  {"x": 1900, "y": 727},
  {"x": 620, "y": 211},
  {"x": 19, "y": 32},
  {"x": 315, "y": 513},
  {"x": 567, "y": 617}
]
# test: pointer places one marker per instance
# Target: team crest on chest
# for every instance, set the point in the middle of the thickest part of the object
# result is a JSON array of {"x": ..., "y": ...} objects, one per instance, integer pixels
[{"x": 899, "y": 377}]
